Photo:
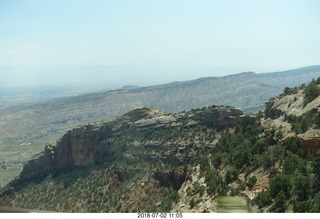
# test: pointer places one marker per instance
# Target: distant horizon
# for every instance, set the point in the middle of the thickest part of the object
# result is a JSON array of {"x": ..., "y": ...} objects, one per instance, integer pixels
[{"x": 110, "y": 76}]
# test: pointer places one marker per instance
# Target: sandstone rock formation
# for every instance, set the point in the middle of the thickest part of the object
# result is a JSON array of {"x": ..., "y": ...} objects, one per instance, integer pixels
[
  {"x": 279, "y": 109},
  {"x": 93, "y": 143}
]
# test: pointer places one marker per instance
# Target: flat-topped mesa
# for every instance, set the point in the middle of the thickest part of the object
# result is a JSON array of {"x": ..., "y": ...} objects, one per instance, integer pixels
[{"x": 88, "y": 144}]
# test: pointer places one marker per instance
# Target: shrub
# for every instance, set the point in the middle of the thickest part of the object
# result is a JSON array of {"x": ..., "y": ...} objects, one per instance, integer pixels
[
  {"x": 301, "y": 187},
  {"x": 316, "y": 203},
  {"x": 316, "y": 169},
  {"x": 199, "y": 188},
  {"x": 263, "y": 199},
  {"x": 242, "y": 186},
  {"x": 231, "y": 175},
  {"x": 169, "y": 200},
  {"x": 204, "y": 164},
  {"x": 293, "y": 144},
  {"x": 265, "y": 160},
  {"x": 280, "y": 183},
  {"x": 252, "y": 181},
  {"x": 302, "y": 206},
  {"x": 192, "y": 203},
  {"x": 279, "y": 202},
  {"x": 273, "y": 172},
  {"x": 279, "y": 134},
  {"x": 212, "y": 183},
  {"x": 311, "y": 92},
  {"x": 317, "y": 120},
  {"x": 288, "y": 91},
  {"x": 293, "y": 162},
  {"x": 260, "y": 146},
  {"x": 216, "y": 160}
]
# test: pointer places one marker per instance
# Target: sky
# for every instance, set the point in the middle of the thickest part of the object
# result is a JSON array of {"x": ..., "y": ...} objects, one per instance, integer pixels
[{"x": 222, "y": 37}]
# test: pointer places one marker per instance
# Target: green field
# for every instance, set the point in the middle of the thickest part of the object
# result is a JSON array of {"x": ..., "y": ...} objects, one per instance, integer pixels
[{"x": 228, "y": 204}]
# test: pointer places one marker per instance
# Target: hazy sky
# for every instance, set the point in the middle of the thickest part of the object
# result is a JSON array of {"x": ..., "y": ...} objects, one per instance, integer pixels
[{"x": 248, "y": 34}]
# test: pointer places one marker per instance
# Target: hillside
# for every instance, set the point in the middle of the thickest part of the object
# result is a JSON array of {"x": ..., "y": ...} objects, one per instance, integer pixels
[
  {"x": 26, "y": 127},
  {"x": 151, "y": 161},
  {"x": 144, "y": 151}
]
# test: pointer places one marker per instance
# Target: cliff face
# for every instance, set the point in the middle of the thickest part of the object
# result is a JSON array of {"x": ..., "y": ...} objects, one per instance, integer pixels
[
  {"x": 82, "y": 146},
  {"x": 39, "y": 165},
  {"x": 286, "y": 113},
  {"x": 93, "y": 143},
  {"x": 220, "y": 118},
  {"x": 78, "y": 147}
]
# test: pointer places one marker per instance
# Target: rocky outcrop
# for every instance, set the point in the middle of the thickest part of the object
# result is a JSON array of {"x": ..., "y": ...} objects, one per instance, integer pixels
[
  {"x": 83, "y": 145},
  {"x": 39, "y": 165},
  {"x": 140, "y": 113},
  {"x": 290, "y": 105},
  {"x": 173, "y": 177},
  {"x": 270, "y": 112},
  {"x": 78, "y": 147},
  {"x": 93, "y": 143},
  {"x": 279, "y": 111},
  {"x": 219, "y": 117}
]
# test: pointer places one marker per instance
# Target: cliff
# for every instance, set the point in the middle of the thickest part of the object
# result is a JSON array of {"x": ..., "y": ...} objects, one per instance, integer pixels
[
  {"x": 293, "y": 116},
  {"x": 96, "y": 143}
]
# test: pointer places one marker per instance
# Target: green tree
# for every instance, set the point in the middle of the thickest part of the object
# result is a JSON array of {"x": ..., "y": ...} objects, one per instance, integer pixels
[
  {"x": 287, "y": 90},
  {"x": 252, "y": 181},
  {"x": 294, "y": 162},
  {"x": 316, "y": 203},
  {"x": 304, "y": 124},
  {"x": 301, "y": 207},
  {"x": 212, "y": 182},
  {"x": 263, "y": 199},
  {"x": 260, "y": 146},
  {"x": 301, "y": 187},
  {"x": 293, "y": 145},
  {"x": 249, "y": 126},
  {"x": 264, "y": 160},
  {"x": 280, "y": 202},
  {"x": 311, "y": 92},
  {"x": 281, "y": 182},
  {"x": 169, "y": 200},
  {"x": 317, "y": 120},
  {"x": 231, "y": 175},
  {"x": 316, "y": 169},
  {"x": 216, "y": 160},
  {"x": 192, "y": 203},
  {"x": 204, "y": 164}
]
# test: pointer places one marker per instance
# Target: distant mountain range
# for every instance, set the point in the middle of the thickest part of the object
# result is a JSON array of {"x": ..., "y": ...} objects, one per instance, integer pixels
[{"x": 246, "y": 90}]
